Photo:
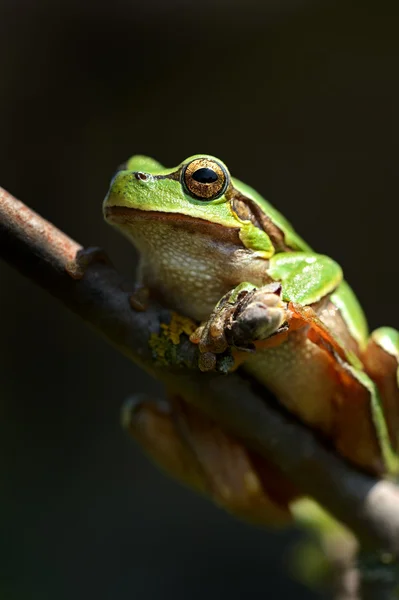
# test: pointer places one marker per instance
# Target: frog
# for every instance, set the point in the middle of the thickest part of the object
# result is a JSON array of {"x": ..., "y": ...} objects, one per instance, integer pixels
[{"x": 209, "y": 243}]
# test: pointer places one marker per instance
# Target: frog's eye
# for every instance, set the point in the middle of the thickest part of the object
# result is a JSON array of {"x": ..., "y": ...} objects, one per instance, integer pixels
[{"x": 205, "y": 179}]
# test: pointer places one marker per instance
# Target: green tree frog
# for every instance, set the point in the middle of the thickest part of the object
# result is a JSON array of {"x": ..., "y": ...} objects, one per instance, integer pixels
[{"x": 206, "y": 241}]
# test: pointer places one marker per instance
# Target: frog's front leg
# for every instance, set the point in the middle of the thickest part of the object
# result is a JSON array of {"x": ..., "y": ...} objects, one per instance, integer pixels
[
  {"x": 381, "y": 361},
  {"x": 243, "y": 316},
  {"x": 197, "y": 452},
  {"x": 248, "y": 314}
]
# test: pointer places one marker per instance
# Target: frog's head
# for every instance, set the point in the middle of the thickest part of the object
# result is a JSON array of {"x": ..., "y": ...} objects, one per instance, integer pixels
[
  {"x": 199, "y": 196},
  {"x": 197, "y": 189}
]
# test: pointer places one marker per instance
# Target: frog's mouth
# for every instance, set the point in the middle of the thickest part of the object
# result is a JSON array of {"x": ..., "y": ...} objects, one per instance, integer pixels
[{"x": 124, "y": 215}]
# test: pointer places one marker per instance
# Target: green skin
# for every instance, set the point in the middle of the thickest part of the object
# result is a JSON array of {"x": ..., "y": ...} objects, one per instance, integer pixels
[{"x": 158, "y": 199}]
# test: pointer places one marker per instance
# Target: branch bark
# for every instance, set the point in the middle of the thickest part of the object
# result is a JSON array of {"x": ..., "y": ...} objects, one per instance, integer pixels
[{"x": 369, "y": 507}]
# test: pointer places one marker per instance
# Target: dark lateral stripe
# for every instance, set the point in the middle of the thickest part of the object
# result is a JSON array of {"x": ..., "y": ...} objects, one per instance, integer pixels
[
  {"x": 175, "y": 176},
  {"x": 247, "y": 210}
]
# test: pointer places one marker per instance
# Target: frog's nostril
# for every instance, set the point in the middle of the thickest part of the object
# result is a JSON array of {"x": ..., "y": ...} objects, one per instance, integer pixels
[{"x": 140, "y": 175}]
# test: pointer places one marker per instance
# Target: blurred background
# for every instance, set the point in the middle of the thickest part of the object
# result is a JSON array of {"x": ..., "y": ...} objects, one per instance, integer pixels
[{"x": 300, "y": 99}]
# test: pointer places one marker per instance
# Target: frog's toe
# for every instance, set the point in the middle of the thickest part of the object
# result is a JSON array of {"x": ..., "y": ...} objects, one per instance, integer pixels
[{"x": 140, "y": 298}]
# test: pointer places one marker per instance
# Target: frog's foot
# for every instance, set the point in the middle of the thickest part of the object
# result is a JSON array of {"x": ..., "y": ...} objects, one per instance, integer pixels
[
  {"x": 84, "y": 259},
  {"x": 194, "y": 450},
  {"x": 140, "y": 298},
  {"x": 381, "y": 362},
  {"x": 242, "y": 317}
]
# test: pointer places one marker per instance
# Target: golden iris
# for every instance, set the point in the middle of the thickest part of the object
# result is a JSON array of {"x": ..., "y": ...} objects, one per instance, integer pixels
[{"x": 205, "y": 179}]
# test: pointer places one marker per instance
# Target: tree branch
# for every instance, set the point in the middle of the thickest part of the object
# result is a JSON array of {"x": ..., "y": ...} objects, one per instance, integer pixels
[{"x": 368, "y": 506}]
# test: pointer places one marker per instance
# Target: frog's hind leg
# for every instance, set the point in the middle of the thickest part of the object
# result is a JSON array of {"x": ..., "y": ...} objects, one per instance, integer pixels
[
  {"x": 381, "y": 362},
  {"x": 195, "y": 451},
  {"x": 354, "y": 414}
]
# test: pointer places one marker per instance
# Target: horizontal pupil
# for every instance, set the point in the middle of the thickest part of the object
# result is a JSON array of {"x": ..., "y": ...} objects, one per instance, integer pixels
[{"x": 205, "y": 175}]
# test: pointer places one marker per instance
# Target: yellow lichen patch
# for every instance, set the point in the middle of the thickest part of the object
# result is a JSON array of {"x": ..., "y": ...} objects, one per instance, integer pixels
[
  {"x": 162, "y": 344},
  {"x": 178, "y": 325},
  {"x": 159, "y": 346}
]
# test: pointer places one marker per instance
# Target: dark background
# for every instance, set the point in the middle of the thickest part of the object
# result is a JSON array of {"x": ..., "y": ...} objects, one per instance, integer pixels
[{"x": 300, "y": 99}]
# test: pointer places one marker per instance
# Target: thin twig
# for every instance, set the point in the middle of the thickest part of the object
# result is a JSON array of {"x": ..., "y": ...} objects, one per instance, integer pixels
[{"x": 368, "y": 506}]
